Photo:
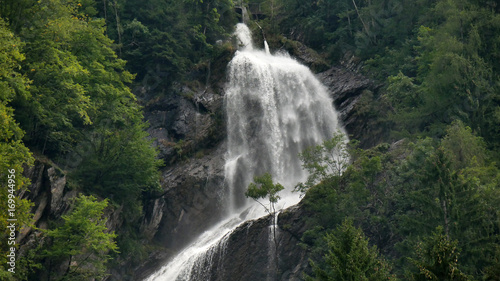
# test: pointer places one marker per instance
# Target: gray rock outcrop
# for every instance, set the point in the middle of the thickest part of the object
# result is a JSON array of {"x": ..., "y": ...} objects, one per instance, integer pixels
[{"x": 194, "y": 188}]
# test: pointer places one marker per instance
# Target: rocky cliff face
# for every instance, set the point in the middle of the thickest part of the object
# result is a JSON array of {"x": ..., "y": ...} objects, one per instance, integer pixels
[
  {"x": 189, "y": 130},
  {"x": 194, "y": 187},
  {"x": 52, "y": 199},
  {"x": 346, "y": 89},
  {"x": 251, "y": 253}
]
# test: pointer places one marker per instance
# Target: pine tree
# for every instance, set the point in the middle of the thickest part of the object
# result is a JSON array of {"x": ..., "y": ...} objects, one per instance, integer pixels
[
  {"x": 350, "y": 258},
  {"x": 437, "y": 259}
]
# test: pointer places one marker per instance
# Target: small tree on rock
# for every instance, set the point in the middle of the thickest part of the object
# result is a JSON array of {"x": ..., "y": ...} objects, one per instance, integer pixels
[{"x": 263, "y": 187}]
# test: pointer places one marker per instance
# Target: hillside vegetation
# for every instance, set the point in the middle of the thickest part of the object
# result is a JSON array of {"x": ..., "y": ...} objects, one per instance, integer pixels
[{"x": 423, "y": 204}]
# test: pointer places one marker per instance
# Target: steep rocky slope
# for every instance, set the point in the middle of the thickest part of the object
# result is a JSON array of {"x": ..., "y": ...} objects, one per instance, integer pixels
[
  {"x": 194, "y": 187},
  {"x": 189, "y": 130}
]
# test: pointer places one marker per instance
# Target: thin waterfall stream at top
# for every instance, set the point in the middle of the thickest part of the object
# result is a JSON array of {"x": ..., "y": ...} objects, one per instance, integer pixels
[{"x": 275, "y": 108}]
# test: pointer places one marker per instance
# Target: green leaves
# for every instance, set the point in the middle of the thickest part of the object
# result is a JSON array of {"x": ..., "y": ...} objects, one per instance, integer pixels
[
  {"x": 324, "y": 161},
  {"x": 14, "y": 155},
  {"x": 263, "y": 187},
  {"x": 438, "y": 191},
  {"x": 465, "y": 149},
  {"x": 146, "y": 43},
  {"x": 78, "y": 110},
  {"x": 84, "y": 240},
  {"x": 119, "y": 162}
]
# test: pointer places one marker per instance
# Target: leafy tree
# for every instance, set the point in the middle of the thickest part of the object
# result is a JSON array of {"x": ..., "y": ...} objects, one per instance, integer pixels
[
  {"x": 465, "y": 149},
  {"x": 324, "y": 161},
  {"x": 349, "y": 257},
  {"x": 14, "y": 155},
  {"x": 16, "y": 12},
  {"x": 80, "y": 108},
  {"x": 263, "y": 187},
  {"x": 119, "y": 163},
  {"x": 83, "y": 241},
  {"x": 58, "y": 103},
  {"x": 193, "y": 29},
  {"x": 437, "y": 259}
]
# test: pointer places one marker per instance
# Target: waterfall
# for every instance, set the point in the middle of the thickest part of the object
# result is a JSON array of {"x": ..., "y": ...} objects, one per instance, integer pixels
[
  {"x": 275, "y": 108},
  {"x": 266, "y": 47}
]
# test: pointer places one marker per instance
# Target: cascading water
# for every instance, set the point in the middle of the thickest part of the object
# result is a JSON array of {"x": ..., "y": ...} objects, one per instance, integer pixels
[{"x": 275, "y": 108}]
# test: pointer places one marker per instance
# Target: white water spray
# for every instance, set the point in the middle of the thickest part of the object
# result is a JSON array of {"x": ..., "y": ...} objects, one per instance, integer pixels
[
  {"x": 266, "y": 47},
  {"x": 275, "y": 108}
]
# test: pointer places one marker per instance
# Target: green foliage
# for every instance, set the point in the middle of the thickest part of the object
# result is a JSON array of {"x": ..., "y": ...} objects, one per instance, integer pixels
[
  {"x": 401, "y": 92},
  {"x": 493, "y": 272},
  {"x": 362, "y": 27},
  {"x": 263, "y": 187},
  {"x": 16, "y": 12},
  {"x": 14, "y": 155},
  {"x": 451, "y": 79},
  {"x": 72, "y": 99},
  {"x": 349, "y": 257},
  {"x": 193, "y": 29},
  {"x": 440, "y": 57},
  {"x": 79, "y": 103},
  {"x": 437, "y": 259},
  {"x": 83, "y": 241},
  {"x": 438, "y": 195},
  {"x": 399, "y": 194},
  {"x": 325, "y": 161},
  {"x": 465, "y": 149},
  {"x": 119, "y": 163},
  {"x": 78, "y": 80}
]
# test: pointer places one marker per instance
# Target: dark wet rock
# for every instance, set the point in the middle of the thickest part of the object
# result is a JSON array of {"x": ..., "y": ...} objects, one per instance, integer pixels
[
  {"x": 249, "y": 252},
  {"x": 52, "y": 198},
  {"x": 345, "y": 88},
  {"x": 348, "y": 89},
  {"x": 47, "y": 192},
  {"x": 185, "y": 122},
  {"x": 193, "y": 198},
  {"x": 304, "y": 55}
]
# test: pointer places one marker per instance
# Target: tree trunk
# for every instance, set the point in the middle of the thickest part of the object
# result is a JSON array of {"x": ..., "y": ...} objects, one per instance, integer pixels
[
  {"x": 365, "y": 27},
  {"x": 118, "y": 28}
]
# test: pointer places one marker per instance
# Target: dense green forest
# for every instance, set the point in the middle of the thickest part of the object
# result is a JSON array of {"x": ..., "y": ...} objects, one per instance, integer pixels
[
  {"x": 66, "y": 98},
  {"x": 429, "y": 201},
  {"x": 424, "y": 204}
]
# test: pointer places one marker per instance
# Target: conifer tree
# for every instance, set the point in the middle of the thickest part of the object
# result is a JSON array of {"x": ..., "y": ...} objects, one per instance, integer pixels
[
  {"x": 350, "y": 258},
  {"x": 437, "y": 259}
]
